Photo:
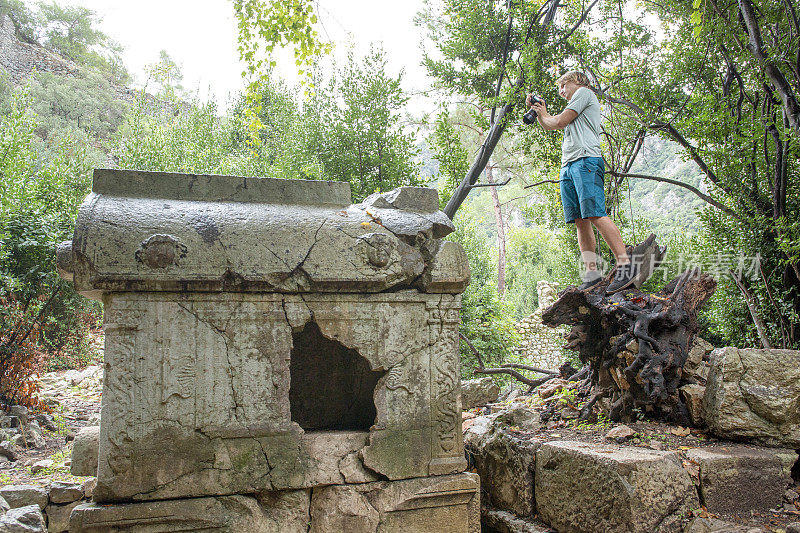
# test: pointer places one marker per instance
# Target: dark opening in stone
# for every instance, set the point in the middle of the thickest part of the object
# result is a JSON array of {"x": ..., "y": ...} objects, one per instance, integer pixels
[{"x": 331, "y": 385}]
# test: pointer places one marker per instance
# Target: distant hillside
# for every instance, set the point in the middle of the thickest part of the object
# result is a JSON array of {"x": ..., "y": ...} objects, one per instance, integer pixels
[
  {"x": 22, "y": 59},
  {"x": 669, "y": 207}
]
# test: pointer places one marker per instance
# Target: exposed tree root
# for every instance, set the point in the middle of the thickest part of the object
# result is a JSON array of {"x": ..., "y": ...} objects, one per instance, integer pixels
[{"x": 634, "y": 344}]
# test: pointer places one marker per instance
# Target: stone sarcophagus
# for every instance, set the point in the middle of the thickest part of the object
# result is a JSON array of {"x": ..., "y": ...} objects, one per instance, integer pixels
[{"x": 265, "y": 338}]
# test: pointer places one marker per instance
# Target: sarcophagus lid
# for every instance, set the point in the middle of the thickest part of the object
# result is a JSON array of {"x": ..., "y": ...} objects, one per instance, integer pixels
[{"x": 156, "y": 231}]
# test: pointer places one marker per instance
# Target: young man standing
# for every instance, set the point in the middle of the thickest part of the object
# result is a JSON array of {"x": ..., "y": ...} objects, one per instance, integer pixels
[{"x": 582, "y": 171}]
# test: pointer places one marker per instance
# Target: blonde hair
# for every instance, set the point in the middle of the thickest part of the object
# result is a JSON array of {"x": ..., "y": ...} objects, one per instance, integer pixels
[{"x": 573, "y": 75}]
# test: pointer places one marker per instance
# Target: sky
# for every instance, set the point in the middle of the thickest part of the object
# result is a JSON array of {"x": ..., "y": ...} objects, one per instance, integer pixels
[{"x": 201, "y": 37}]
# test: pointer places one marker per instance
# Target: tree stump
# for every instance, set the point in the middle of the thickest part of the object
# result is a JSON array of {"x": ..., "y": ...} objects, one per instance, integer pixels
[{"x": 634, "y": 343}]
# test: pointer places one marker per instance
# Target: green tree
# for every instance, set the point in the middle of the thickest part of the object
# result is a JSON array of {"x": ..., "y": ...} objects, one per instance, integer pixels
[
  {"x": 492, "y": 53},
  {"x": 486, "y": 320},
  {"x": 83, "y": 106},
  {"x": 723, "y": 91},
  {"x": 451, "y": 154},
  {"x": 265, "y": 25},
  {"x": 165, "y": 76},
  {"x": 354, "y": 127},
  {"x": 72, "y": 32}
]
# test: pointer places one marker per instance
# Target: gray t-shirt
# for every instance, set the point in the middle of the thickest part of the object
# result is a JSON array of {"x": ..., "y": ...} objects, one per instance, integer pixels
[{"x": 582, "y": 135}]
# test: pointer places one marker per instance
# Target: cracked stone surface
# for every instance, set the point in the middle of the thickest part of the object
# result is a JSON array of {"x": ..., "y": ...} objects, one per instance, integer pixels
[
  {"x": 505, "y": 462},
  {"x": 199, "y": 385},
  {"x": 439, "y": 504},
  {"x": 286, "y": 513},
  {"x": 152, "y": 231},
  {"x": 84, "y": 451},
  {"x": 27, "y": 519},
  {"x": 754, "y": 394},
  {"x": 604, "y": 488},
  {"x": 271, "y": 349}
]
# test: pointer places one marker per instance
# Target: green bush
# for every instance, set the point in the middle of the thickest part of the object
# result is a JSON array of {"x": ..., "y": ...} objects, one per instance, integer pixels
[
  {"x": 486, "y": 320},
  {"x": 42, "y": 185}
]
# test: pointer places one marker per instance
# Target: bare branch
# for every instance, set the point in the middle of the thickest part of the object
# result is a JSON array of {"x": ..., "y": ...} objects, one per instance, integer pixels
[
  {"x": 695, "y": 190},
  {"x": 516, "y": 375},
  {"x": 540, "y": 183},
  {"x": 472, "y": 348},
  {"x": 577, "y": 24},
  {"x": 476, "y": 185},
  {"x": 531, "y": 368},
  {"x": 756, "y": 47},
  {"x": 751, "y": 306}
]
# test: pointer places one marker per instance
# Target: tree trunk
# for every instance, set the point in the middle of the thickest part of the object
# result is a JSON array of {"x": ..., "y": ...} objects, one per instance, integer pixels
[
  {"x": 501, "y": 234},
  {"x": 485, "y": 152}
]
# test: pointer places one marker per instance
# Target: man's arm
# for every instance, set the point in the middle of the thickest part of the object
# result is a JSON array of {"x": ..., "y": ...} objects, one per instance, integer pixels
[{"x": 553, "y": 122}]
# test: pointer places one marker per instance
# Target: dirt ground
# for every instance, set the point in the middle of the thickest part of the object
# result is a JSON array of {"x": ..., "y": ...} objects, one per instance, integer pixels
[{"x": 72, "y": 407}]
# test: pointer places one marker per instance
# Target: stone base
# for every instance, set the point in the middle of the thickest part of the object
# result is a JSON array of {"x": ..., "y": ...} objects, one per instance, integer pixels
[
  {"x": 737, "y": 478},
  {"x": 218, "y": 394},
  {"x": 590, "y": 488},
  {"x": 438, "y": 504}
]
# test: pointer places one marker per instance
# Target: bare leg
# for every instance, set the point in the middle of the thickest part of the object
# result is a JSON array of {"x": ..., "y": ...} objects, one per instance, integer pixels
[
  {"x": 612, "y": 236},
  {"x": 586, "y": 243}
]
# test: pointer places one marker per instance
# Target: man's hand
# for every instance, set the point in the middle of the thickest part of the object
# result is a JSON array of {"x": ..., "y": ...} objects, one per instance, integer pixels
[{"x": 541, "y": 109}]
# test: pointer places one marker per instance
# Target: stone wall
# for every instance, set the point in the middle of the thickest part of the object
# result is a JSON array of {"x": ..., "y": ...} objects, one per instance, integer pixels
[
  {"x": 20, "y": 59},
  {"x": 540, "y": 344}
]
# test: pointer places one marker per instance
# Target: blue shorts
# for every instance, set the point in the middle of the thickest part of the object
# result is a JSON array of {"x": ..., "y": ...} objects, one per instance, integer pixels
[{"x": 582, "y": 193}]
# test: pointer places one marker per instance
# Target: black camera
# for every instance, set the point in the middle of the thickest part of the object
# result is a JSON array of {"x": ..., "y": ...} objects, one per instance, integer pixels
[{"x": 530, "y": 116}]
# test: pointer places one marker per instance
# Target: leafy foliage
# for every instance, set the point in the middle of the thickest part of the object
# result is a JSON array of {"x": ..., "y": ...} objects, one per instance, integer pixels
[
  {"x": 42, "y": 185},
  {"x": 486, "y": 320},
  {"x": 451, "y": 154},
  {"x": 263, "y": 27},
  {"x": 353, "y": 127},
  {"x": 350, "y": 132}
]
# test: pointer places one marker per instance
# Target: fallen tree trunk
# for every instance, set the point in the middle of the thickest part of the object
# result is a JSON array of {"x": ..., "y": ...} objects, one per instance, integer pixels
[{"x": 635, "y": 344}]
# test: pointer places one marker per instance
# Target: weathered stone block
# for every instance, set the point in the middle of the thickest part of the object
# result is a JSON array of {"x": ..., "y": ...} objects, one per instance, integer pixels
[
  {"x": 584, "y": 487},
  {"x": 754, "y": 395},
  {"x": 226, "y": 514},
  {"x": 738, "y": 478},
  {"x": 693, "y": 395},
  {"x": 212, "y": 425},
  {"x": 152, "y": 231},
  {"x": 437, "y": 504},
  {"x": 65, "y": 492},
  {"x": 23, "y": 495},
  {"x": 84, "y": 451},
  {"x": 477, "y": 392},
  {"x": 27, "y": 519},
  {"x": 252, "y": 346},
  {"x": 505, "y": 464},
  {"x": 448, "y": 271},
  {"x": 58, "y": 516}
]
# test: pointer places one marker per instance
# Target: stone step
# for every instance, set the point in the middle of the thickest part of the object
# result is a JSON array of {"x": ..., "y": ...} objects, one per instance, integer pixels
[{"x": 591, "y": 487}]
